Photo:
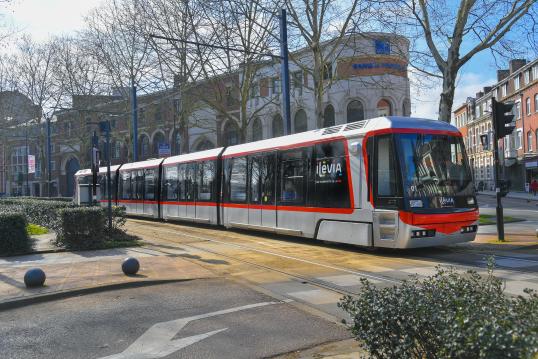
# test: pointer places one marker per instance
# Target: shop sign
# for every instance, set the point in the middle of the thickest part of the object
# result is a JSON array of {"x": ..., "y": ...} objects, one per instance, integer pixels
[{"x": 531, "y": 164}]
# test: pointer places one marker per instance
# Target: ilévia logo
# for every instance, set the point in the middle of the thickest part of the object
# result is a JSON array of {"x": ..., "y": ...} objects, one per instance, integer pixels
[
  {"x": 446, "y": 201},
  {"x": 324, "y": 168}
]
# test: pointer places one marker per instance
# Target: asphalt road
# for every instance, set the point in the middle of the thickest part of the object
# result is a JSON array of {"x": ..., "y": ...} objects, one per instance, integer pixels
[
  {"x": 233, "y": 322},
  {"x": 515, "y": 207}
]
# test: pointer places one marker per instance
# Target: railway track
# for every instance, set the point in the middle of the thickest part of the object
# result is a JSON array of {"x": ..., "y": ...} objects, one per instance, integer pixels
[{"x": 227, "y": 247}]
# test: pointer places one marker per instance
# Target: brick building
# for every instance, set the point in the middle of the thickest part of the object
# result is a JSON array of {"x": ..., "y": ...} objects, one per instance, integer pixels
[
  {"x": 365, "y": 78},
  {"x": 519, "y": 154}
]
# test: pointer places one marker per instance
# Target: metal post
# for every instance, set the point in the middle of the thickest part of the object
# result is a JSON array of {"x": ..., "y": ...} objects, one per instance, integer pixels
[
  {"x": 284, "y": 70},
  {"x": 108, "y": 180},
  {"x": 27, "y": 163},
  {"x": 135, "y": 121},
  {"x": 49, "y": 159},
  {"x": 499, "y": 208}
]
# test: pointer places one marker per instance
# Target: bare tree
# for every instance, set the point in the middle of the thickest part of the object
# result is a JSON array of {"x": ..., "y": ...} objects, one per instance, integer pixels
[
  {"x": 245, "y": 33},
  {"x": 180, "y": 20},
  {"x": 447, "y": 35},
  {"x": 114, "y": 39},
  {"x": 321, "y": 26}
]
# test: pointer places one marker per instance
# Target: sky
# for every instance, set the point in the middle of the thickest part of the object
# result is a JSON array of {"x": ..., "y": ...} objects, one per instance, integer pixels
[{"x": 44, "y": 18}]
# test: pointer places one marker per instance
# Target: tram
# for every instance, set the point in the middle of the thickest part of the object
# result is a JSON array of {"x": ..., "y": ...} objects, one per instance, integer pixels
[{"x": 395, "y": 182}]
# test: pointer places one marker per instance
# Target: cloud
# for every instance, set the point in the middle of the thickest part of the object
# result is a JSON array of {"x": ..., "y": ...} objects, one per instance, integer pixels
[
  {"x": 425, "y": 94},
  {"x": 41, "y": 19}
]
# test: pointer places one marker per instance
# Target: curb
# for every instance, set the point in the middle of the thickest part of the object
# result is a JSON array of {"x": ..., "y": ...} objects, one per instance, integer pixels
[
  {"x": 47, "y": 297},
  {"x": 46, "y": 251}
]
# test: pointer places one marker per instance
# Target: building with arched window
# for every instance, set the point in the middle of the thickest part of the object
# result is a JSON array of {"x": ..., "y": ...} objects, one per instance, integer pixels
[{"x": 365, "y": 75}]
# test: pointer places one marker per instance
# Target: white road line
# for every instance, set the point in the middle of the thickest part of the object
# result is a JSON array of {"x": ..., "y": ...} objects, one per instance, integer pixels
[{"x": 157, "y": 341}]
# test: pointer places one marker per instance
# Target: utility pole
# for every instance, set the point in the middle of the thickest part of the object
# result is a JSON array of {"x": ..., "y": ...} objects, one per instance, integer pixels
[
  {"x": 284, "y": 69},
  {"x": 49, "y": 159},
  {"x": 134, "y": 115},
  {"x": 27, "y": 162},
  {"x": 105, "y": 127},
  {"x": 502, "y": 116}
]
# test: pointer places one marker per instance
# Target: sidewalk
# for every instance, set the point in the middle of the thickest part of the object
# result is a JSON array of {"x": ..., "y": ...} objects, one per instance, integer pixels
[
  {"x": 88, "y": 271},
  {"x": 515, "y": 195}
]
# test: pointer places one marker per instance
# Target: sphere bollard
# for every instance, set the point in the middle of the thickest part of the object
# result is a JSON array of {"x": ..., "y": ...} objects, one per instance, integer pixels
[
  {"x": 34, "y": 277},
  {"x": 130, "y": 266}
]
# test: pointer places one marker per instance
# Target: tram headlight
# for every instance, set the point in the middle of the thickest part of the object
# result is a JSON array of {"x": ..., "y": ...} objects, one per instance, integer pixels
[
  {"x": 469, "y": 229},
  {"x": 471, "y": 201},
  {"x": 422, "y": 233}
]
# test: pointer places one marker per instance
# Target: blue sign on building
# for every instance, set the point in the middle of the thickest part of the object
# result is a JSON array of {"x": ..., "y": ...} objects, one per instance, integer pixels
[{"x": 164, "y": 150}]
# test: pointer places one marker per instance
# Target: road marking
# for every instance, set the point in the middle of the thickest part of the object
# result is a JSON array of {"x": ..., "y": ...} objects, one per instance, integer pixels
[
  {"x": 345, "y": 280},
  {"x": 317, "y": 296},
  {"x": 157, "y": 341}
]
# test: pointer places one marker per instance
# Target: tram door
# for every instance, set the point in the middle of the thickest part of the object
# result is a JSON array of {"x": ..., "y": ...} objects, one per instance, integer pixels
[
  {"x": 190, "y": 190},
  {"x": 262, "y": 209}
]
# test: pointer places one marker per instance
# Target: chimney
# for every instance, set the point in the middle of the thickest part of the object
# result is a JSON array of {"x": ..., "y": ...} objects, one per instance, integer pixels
[
  {"x": 479, "y": 94},
  {"x": 502, "y": 74},
  {"x": 487, "y": 89},
  {"x": 516, "y": 64}
]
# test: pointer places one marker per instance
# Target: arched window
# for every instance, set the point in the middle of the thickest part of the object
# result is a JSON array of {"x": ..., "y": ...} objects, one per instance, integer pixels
[
  {"x": 158, "y": 139},
  {"x": 355, "y": 111},
  {"x": 328, "y": 116},
  {"x": 203, "y": 145},
  {"x": 529, "y": 141},
  {"x": 536, "y": 103},
  {"x": 384, "y": 108},
  {"x": 278, "y": 126},
  {"x": 536, "y": 136},
  {"x": 257, "y": 131},
  {"x": 300, "y": 121},
  {"x": 143, "y": 147},
  {"x": 176, "y": 143},
  {"x": 231, "y": 133}
]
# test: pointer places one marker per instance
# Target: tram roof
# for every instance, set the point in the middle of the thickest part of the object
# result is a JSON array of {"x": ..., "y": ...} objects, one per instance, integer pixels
[
  {"x": 343, "y": 130},
  {"x": 83, "y": 172},
  {"x": 112, "y": 168},
  {"x": 142, "y": 164},
  {"x": 193, "y": 156}
]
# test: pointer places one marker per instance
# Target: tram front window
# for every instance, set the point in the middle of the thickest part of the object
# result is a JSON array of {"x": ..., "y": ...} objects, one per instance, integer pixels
[{"x": 435, "y": 171}]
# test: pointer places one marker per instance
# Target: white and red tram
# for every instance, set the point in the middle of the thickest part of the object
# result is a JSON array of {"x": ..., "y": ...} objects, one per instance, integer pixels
[{"x": 393, "y": 182}]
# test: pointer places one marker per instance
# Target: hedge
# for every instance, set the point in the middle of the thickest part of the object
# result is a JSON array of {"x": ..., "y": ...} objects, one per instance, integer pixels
[
  {"x": 13, "y": 235},
  {"x": 81, "y": 228},
  {"x": 37, "y": 211},
  {"x": 448, "y": 315}
]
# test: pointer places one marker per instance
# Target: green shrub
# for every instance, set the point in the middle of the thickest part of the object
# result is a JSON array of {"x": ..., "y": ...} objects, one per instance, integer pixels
[
  {"x": 13, "y": 236},
  {"x": 37, "y": 211},
  {"x": 119, "y": 217},
  {"x": 81, "y": 228},
  {"x": 448, "y": 315}
]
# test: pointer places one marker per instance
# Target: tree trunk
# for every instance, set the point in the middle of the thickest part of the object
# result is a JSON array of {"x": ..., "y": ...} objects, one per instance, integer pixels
[
  {"x": 318, "y": 87},
  {"x": 447, "y": 96}
]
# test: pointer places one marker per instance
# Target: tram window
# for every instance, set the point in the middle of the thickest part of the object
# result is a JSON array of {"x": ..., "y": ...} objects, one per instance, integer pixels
[
  {"x": 170, "y": 183},
  {"x": 102, "y": 186},
  {"x": 387, "y": 186},
  {"x": 149, "y": 184},
  {"x": 292, "y": 187},
  {"x": 125, "y": 185},
  {"x": 330, "y": 177},
  {"x": 236, "y": 179},
  {"x": 206, "y": 180},
  {"x": 255, "y": 172},
  {"x": 330, "y": 149},
  {"x": 139, "y": 184},
  {"x": 267, "y": 179},
  {"x": 190, "y": 181},
  {"x": 181, "y": 176}
]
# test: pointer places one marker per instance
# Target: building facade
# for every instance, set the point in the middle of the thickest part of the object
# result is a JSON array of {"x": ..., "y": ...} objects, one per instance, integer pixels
[
  {"x": 518, "y": 154},
  {"x": 365, "y": 77}
]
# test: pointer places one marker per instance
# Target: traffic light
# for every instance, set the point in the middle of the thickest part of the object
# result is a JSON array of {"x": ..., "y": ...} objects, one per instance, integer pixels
[{"x": 502, "y": 118}]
